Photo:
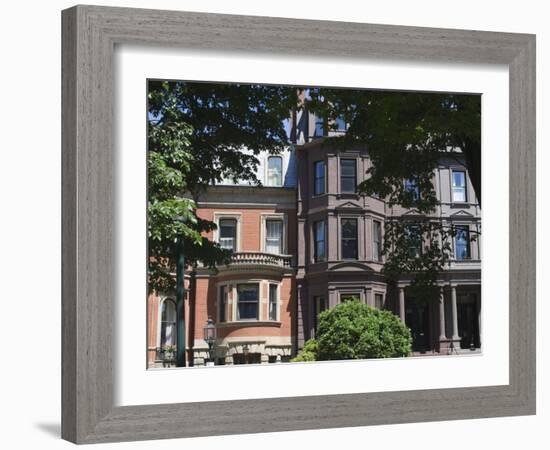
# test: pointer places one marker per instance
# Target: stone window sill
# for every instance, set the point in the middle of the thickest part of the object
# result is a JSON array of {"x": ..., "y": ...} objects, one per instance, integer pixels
[{"x": 249, "y": 323}]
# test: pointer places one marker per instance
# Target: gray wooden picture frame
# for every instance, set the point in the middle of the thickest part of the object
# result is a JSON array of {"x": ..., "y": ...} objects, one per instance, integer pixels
[{"x": 89, "y": 37}]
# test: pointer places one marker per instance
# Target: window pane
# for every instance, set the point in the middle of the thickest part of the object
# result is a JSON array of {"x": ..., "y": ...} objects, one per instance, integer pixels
[
  {"x": 348, "y": 179},
  {"x": 319, "y": 241},
  {"x": 349, "y": 238},
  {"x": 274, "y": 236},
  {"x": 319, "y": 127},
  {"x": 376, "y": 240},
  {"x": 462, "y": 242},
  {"x": 459, "y": 179},
  {"x": 273, "y": 302},
  {"x": 168, "y": 311},
  {"x": 168, "y": 323},
  {"x": 349, "y": 228},
  {"x": 459, "y": 186},
  {"x": 247, "y": 301},
  {"x": 228, "y": 234},
  {"x": 340, "y": 123},
  {"x": 459, "y": 195},
  {"x": 319, "y": 178},
  {"x": 222, "y": 299},
  {"x": 274, "y": 171},
  {"x": 348, "y": 185},
  {"x": 414, "y": 240},
  {"x": 412, "y": 187},
  {"x": 348, "y": 167}
]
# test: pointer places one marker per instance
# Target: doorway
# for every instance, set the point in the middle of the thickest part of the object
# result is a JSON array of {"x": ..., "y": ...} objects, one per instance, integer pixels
[
  {"x": 468, "y": 322},
  {"x": 417, "y": 318}
]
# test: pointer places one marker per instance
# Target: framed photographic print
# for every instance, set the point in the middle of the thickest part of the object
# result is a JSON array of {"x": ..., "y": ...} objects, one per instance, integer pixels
[{"x": 253, "y": 213}]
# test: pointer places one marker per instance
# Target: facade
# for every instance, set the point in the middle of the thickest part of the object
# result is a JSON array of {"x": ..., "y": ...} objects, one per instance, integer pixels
[{"x": 306, "y": 241}]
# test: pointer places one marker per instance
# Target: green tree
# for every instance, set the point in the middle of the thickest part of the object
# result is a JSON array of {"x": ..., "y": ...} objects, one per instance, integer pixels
[
  {"x": 197, "y": 133},
  {"x": 353, "y": 330},
  {"x": 308, "y": 353}
]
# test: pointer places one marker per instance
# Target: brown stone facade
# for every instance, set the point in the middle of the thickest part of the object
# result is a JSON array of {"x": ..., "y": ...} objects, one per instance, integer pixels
[{"x": 308, "y": 245}]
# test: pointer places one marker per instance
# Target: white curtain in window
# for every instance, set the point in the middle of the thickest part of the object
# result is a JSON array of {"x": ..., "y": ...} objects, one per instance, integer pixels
[
  {"x": 274, "y": 171},
  {"x": 459, "y": 187},
  {"x": 168, "y": 324},
  {"x": 274, "y": 236}
]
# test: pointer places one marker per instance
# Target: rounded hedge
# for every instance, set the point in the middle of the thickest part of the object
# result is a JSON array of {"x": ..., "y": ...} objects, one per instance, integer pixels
[{"x": 353, "y": 330}]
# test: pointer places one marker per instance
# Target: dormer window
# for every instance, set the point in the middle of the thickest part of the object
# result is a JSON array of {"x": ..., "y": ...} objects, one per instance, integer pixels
[
  {"x": 459, "y": 186},
  {"x": 274, "y": 171}
]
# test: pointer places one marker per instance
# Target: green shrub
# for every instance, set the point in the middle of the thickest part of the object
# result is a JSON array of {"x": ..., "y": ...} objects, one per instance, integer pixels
[
  {"x": 309, "y": 352},
  {"x": 353, "y": 330}
]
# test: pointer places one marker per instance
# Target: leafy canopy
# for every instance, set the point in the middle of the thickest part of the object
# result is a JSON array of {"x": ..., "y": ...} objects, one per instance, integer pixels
[{"x": 197, "y": 133}]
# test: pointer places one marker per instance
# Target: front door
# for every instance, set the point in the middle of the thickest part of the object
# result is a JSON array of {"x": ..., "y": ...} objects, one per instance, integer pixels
[
  {"x": 468, "y": 325},
  {"x": 417, "y": 318}
]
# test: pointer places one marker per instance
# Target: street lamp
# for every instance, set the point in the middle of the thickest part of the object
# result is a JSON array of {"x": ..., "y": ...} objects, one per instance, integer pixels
[
  {"x": 180, "y": 296},
  {"x": 209, "y": 333}
]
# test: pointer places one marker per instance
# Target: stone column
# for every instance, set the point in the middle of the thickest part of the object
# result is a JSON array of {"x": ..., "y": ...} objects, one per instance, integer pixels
[
  {"x": 442, "y": 334},
  {"x": 454, "y": 313},
  {"x": 402, "y": 303}
]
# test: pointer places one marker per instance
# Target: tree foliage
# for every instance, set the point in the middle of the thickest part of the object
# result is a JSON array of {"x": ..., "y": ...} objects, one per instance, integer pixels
[
  {"x": 308, "y": 353},
  {"x": 197, "y": 133},
  {"x": 353, "y": 330}
]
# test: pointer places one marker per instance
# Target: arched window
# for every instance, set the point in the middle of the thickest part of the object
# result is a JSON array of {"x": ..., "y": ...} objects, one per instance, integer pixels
[{"x": 167, "y": 323}]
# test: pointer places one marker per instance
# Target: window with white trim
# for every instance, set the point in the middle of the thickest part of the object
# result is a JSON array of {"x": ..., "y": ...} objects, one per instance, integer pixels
[
  {"x": 274, "y": 236},
  {"x": 273, "y": 301},
  {"x": 248, "y": 296},
  {"x": 167, "y": 323},
  {"x": 228, "y": 234},
  {"x": 459, "y": 186}
]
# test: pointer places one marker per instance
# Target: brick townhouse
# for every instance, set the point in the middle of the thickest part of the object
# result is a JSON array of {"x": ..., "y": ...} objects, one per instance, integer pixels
[{"x": 305, "y": 241}]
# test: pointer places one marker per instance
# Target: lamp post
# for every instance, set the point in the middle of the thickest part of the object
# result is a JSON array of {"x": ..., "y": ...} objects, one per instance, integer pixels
[
  {"x": 209, "y": 333},
  {"x": 180, "y": 300}
]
